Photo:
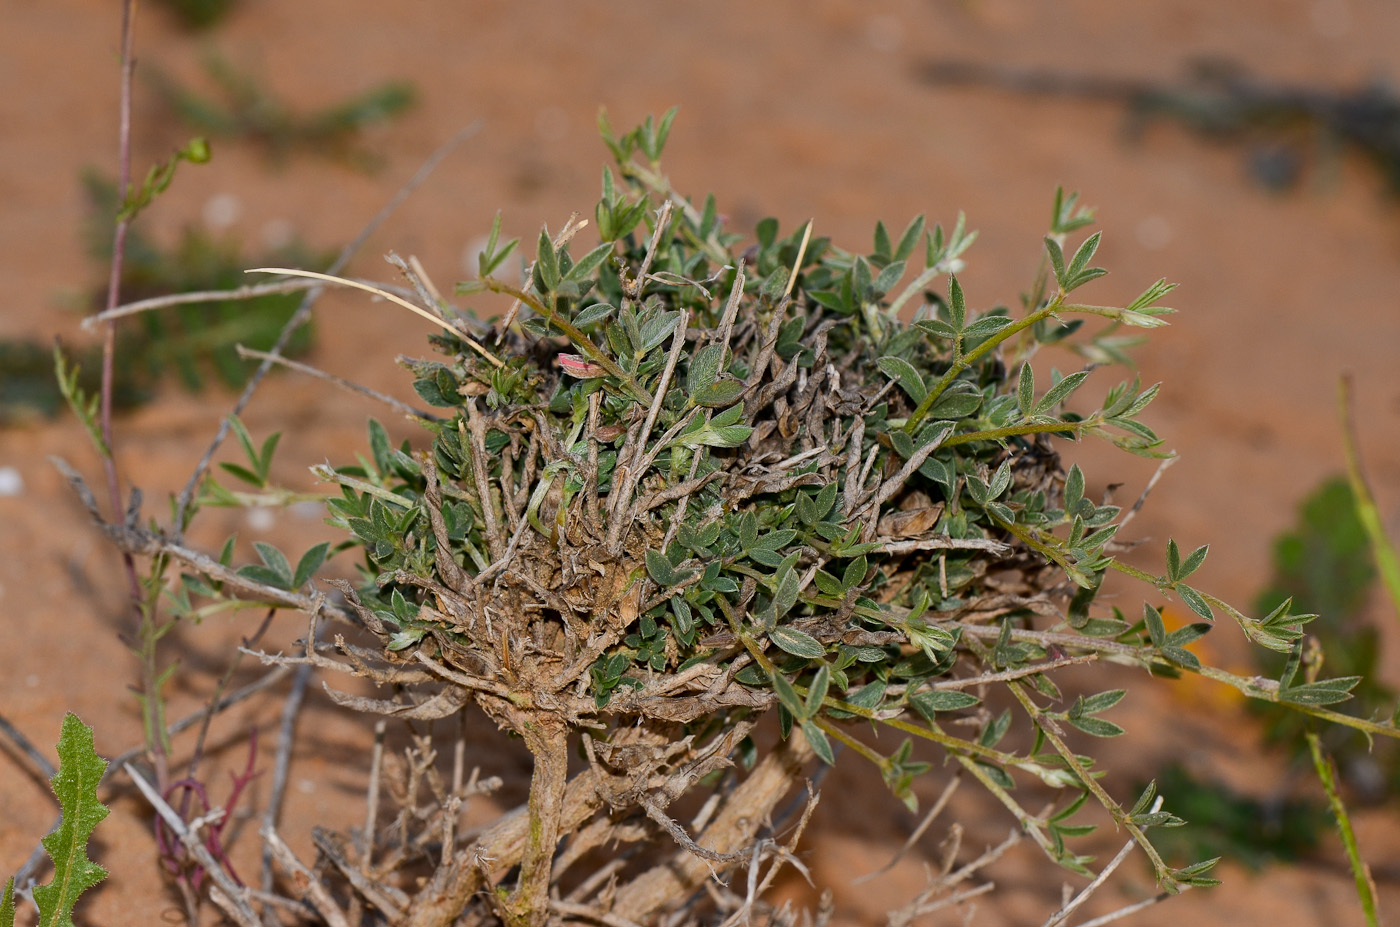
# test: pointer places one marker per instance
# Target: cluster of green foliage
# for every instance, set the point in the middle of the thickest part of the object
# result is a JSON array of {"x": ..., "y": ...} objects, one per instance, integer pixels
[
  {"x": 242, "y": 108},
  {"x": 857, "y": 516}
]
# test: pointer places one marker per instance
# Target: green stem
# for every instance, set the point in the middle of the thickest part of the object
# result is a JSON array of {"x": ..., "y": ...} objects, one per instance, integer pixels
[
  {"x": 1382, "y": 550},
  {"x": 1365, "y": 887},
  {"x": 966, "y": 360},
  {"x": 1047, "y": 728},
  {"x": 1011, "y": 431},
  {"x": 582, "y": 341}
]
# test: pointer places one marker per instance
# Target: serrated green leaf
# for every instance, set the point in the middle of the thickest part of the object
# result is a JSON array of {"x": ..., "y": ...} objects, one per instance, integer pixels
[
  {"x": 7, "y": 904},
  {"x": 80, "y": 769}
]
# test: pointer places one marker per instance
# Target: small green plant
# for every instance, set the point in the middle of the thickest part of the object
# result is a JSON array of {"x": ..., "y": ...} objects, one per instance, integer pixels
[
  {"x": 242, "y": 108},
  {"x": 199, "y": 14},
  {"x": 709, "y": 510},
  {"x": 697, "y": 482},
  {"x": 191, "y": 340},
  {"x": 1323, "y": 566},
  {"x": 75, "y": 785}
]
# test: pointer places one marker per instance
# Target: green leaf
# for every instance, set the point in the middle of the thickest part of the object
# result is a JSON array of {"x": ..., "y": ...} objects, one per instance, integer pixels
[
  {"x": 1194, "y": 601},
  {"x": 787, "y": 695},
  {"x": 1322, "y": 692},
  {"x": 243, "y": 473},
  {"x": 1025, "y": 390},
  {"x": 797, "y": 643},
  {"x": 7, "y": 904},
  {"x": 704, "y": 368},
  {"x": 985, "y": 327},
  {"x": 1096, "y": 727},
  {"x": 1193, "y": 562},
  {"x": 593, "y": 314},
  {"x": 275, "y": 561},
  {"x": 928, "y": 703},
  {"x": 660, "y": 569},
  {"x": 1057, "y": 259},
  {"x": 1191, "y": 875},
  {"x": 1156, "y": 630},
  {"x": 820, "y": 745},
  {"x": 589, "y": 263},
  {"x": 1084, "y": 254},
  {"x": 821, "y": 682},
  {"x": 903, "y": 373},
  {"x": 1074, "y": 489},
  {"x": 80, "y": 769},
  {"x": 1060, "y": 392},
  {"x": 309, "y": 563},
  {"x": 909, "y": 240},
  {"x": 720, "y": 393},
  {"x": 546, "y": 263},
  {"x": 888, "y": 277}
]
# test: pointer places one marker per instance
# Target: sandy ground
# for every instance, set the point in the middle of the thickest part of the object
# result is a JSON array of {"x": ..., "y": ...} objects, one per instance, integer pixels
[{"x": 790, "y": 109}]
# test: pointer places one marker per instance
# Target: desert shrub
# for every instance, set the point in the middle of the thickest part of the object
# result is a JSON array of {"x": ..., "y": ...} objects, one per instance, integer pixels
[
  {"x": 696, "y": 513},
  {"x": 699, "y": 479}
]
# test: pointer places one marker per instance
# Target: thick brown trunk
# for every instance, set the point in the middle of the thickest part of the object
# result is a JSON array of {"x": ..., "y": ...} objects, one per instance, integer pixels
[{"x": 745, "y": 812}]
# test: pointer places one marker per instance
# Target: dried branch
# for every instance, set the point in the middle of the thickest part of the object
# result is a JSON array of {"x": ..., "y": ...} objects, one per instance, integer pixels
[{"x": 303, "y": 313}]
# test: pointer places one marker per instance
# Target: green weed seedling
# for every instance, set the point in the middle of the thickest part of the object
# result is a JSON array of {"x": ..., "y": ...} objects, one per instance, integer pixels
[{"x": 80, "y": 769}]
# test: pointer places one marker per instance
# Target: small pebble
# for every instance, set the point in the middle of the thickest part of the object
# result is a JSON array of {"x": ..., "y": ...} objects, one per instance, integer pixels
[{"x": 11, "y": 483}]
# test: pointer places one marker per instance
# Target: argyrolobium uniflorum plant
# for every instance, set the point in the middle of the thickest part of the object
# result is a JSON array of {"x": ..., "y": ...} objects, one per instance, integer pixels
[{"x": 693, "y": 479}]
